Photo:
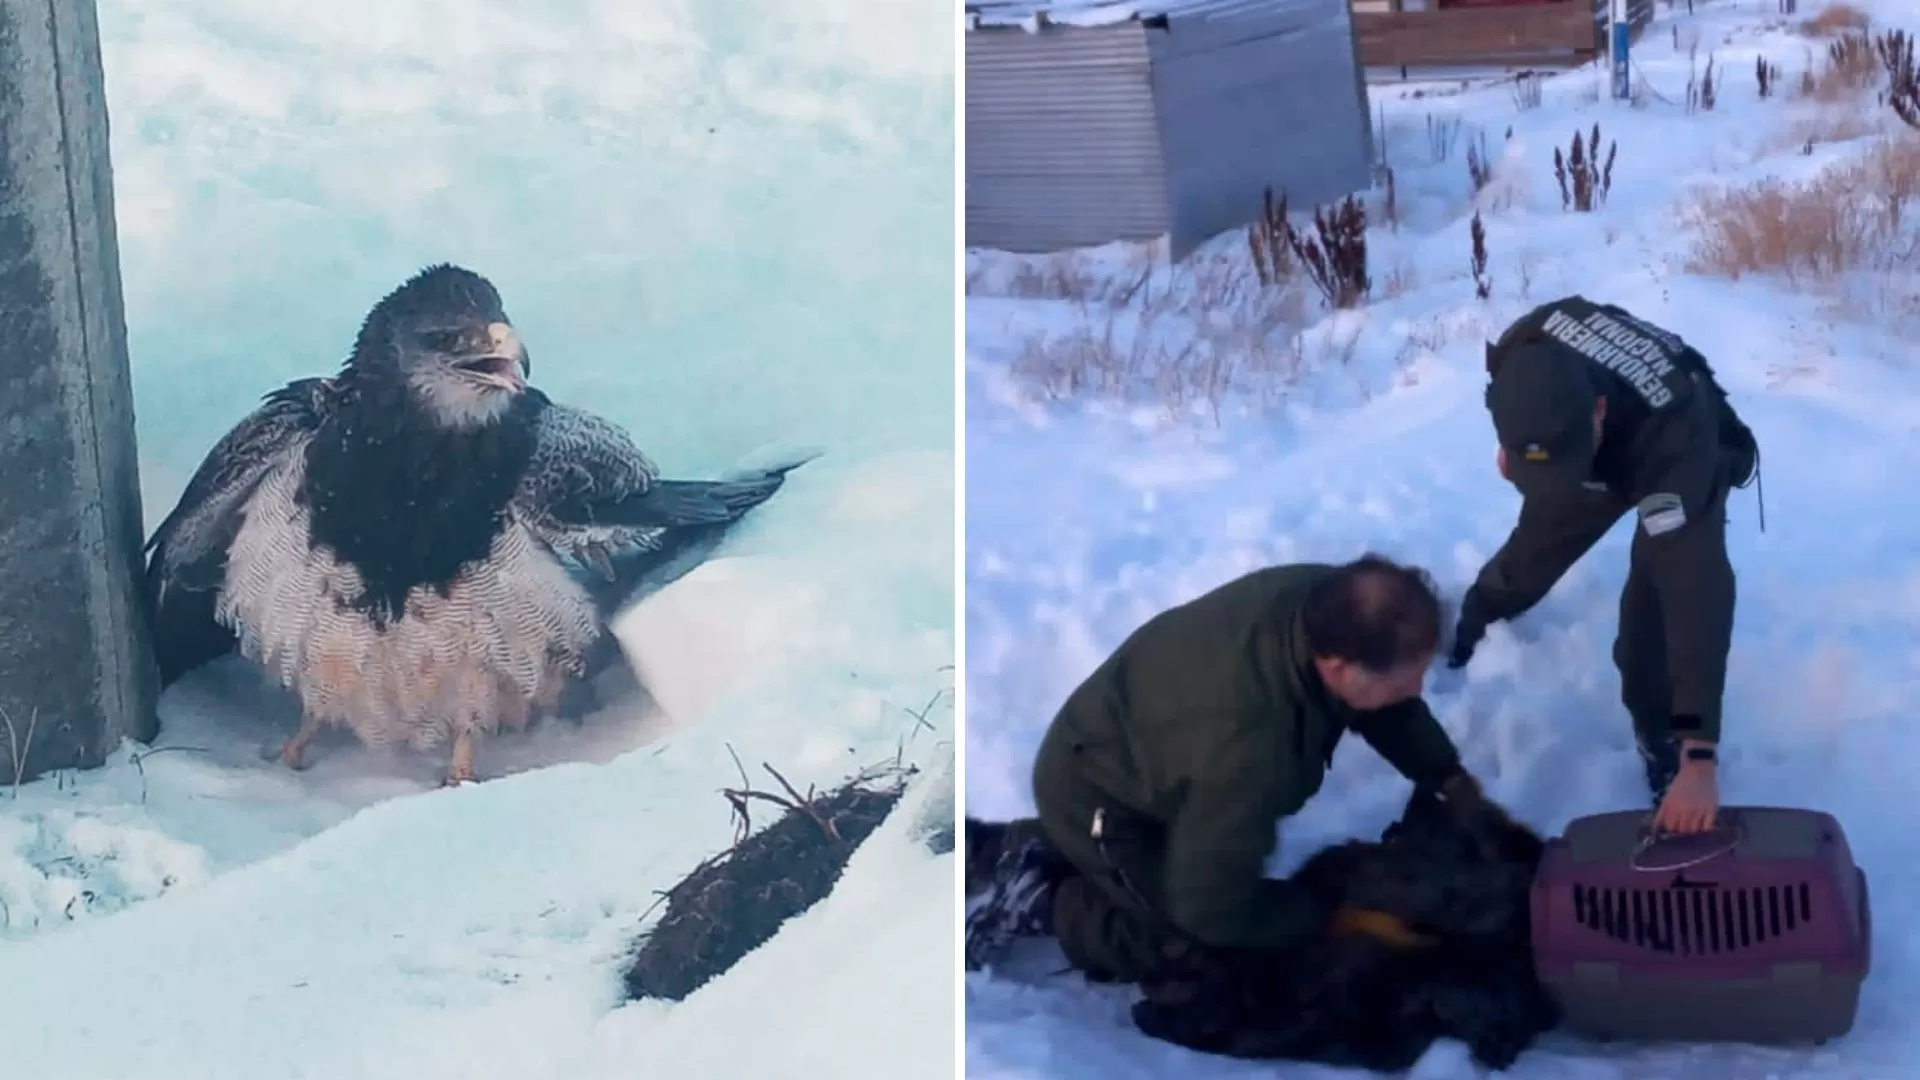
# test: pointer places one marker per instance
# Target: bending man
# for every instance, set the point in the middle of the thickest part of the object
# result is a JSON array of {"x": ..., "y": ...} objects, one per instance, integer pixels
[
  {"x": 1598, "y": 412},
  {"x": 1162, "y": 781}
]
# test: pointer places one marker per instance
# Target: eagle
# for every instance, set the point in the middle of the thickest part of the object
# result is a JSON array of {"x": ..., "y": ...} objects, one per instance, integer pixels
[
  {"x": 424, "y": 548},
  {"x": 1462, "y": 880}
]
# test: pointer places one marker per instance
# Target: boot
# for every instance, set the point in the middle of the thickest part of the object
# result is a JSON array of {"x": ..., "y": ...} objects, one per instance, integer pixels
[
  {"x": 1011, "y": 874},
  {"x": 1190, "y": 1000}
]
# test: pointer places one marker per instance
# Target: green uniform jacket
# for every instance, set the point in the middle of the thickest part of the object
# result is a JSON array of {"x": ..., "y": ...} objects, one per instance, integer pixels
[{"x": 1204, "y": 729}]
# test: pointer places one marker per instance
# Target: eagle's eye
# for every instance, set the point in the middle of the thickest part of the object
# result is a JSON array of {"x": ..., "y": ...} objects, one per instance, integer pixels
[{"x": 440, "y": 341}]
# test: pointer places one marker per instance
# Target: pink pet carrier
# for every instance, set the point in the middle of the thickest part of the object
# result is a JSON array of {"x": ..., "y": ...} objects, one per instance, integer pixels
[{"x": 1758, "y": 932}]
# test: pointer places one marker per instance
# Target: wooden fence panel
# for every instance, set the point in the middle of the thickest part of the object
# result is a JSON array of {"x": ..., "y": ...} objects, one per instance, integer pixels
[{"x": 1556, "y": 33}]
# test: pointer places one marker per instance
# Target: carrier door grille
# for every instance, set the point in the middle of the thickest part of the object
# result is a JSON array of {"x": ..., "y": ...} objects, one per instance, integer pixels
[{"x": 1694, "y": 921}]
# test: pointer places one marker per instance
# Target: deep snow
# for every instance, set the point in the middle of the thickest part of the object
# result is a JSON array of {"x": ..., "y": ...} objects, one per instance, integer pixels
[
  {"x": 1089, "y": 511},
  {"x": 729, "y": 229}
]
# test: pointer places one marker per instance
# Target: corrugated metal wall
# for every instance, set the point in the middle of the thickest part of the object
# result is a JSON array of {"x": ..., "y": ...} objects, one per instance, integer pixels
[
  {"x": 1258, "y": 97},
  {"x": 1062, "y": 149}
]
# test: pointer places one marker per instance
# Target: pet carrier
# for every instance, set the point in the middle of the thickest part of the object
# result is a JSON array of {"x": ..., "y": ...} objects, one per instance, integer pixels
[{"x": 1758, "y": 932}]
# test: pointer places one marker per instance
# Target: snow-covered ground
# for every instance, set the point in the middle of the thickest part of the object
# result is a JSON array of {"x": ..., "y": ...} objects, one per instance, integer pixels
[
  {"x": 727, "y": 227},
  {"x": 1126, "y": 491}
]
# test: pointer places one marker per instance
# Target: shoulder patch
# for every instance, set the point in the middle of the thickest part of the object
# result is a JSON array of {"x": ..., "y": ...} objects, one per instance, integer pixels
[{"x": 1661, "y": 513}]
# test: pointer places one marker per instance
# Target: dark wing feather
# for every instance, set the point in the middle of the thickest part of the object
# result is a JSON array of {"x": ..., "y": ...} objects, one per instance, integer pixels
[
  {"x": 593, "y": 497},
  {"x": 675, "y": 503},
  {"x": 187, "y": 554},
  {"x": 696, "y": 517},
  {"x": 580, "y": 463}
]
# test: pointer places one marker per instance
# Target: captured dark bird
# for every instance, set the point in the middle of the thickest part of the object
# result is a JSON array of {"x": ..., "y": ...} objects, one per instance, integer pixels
[
  {"x": 1460, "y": 879},
  {"x": 412, "y": 545}
]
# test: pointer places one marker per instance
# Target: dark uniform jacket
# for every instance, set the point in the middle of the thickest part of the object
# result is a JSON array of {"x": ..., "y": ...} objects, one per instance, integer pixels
[
  {"x": 1671, "y": 446},
  {"x": 1205, "y": 728}
]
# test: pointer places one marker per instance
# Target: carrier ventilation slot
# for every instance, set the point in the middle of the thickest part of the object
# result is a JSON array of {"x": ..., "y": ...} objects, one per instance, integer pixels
[{"x": 1694, "y": 921}]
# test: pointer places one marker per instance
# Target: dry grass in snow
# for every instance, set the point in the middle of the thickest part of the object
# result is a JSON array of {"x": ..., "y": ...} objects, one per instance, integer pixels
[
  {"x": 1845, "y": 233},
  {"x": 1113, "y": 274},
  {"x": 1835, "y": 20},
  {"x": 1852, "y": 67},
  {"x": 1806, "y": 127},
  {"x": 1191, "y": 339}
]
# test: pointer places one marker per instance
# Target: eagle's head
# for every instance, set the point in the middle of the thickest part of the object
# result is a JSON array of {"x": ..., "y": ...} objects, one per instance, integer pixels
[{"x": 445, "y": 337}]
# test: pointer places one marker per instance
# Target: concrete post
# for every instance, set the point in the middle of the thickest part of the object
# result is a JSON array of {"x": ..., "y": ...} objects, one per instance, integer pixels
[{"x": 76, "y": 658}]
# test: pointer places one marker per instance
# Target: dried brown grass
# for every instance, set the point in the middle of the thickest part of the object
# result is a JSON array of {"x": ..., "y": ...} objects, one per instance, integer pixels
[
  {"x": 1835, "y": 20},
  {"x": 1482, "y": 282},
  {"x": 1809, "y": 126},
  {"x": 1203, "y": 337},
  {"x": 1114, "y": 276},
  {"x": 1400, "y": 281},
  {"x": 1813, "y": 233},
  {"x": 1332, "y": 254},
  {"x": 1850, "y": 68},
  {"x": 1584, "y": 176}
]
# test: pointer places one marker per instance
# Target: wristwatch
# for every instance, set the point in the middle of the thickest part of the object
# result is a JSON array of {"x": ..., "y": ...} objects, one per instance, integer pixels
[{"x": 1702, "y": 753}]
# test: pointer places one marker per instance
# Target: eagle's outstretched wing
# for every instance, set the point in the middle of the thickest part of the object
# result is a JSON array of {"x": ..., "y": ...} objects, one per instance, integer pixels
[
  {"x": 582, "y": 465},
  {"x": 593, "y": 496},
  {"x": 187, "y": 554}
]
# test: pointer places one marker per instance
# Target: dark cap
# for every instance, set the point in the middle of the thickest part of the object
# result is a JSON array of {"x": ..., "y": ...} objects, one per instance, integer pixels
[{"x": 1542, "y": 404}]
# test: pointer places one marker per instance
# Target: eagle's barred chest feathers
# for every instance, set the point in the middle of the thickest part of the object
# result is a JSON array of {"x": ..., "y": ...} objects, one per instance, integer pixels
[
  {"x": 405, "y": 501},
  {"x": 385, "y": 574}
]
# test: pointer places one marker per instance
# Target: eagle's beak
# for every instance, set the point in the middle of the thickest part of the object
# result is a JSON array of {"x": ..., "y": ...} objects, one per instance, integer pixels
[{"x": 504, "y": 363}]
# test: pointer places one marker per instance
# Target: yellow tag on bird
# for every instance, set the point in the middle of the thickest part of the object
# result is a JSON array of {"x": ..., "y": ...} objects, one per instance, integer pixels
[{"x": 1380, "y": 926}]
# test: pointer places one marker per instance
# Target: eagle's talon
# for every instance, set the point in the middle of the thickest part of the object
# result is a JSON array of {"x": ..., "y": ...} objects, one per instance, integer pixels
[
  {"x": 597, "y": 557},
  {"x": 294, "y": 754},
  {"x": 460, "y": 770}
]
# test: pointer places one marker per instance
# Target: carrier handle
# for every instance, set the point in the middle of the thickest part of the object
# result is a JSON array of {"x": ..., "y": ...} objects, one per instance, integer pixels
[{"x": 1728, "y": 829}]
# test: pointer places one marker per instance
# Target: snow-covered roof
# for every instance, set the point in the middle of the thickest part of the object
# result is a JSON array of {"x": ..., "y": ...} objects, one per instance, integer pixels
[{"x": 1031, "y": 15}]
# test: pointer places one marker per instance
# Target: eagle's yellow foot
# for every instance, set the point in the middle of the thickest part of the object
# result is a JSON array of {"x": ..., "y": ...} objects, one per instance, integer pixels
[
  {"x": 460, "y": 769},
  {"x": 294, "y": 754}
]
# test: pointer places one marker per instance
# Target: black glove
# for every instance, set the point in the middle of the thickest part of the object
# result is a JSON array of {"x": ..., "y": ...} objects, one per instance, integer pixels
[
  {"x": 1467, "y": 633},
  {"x": 1463, "y": 793}
]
